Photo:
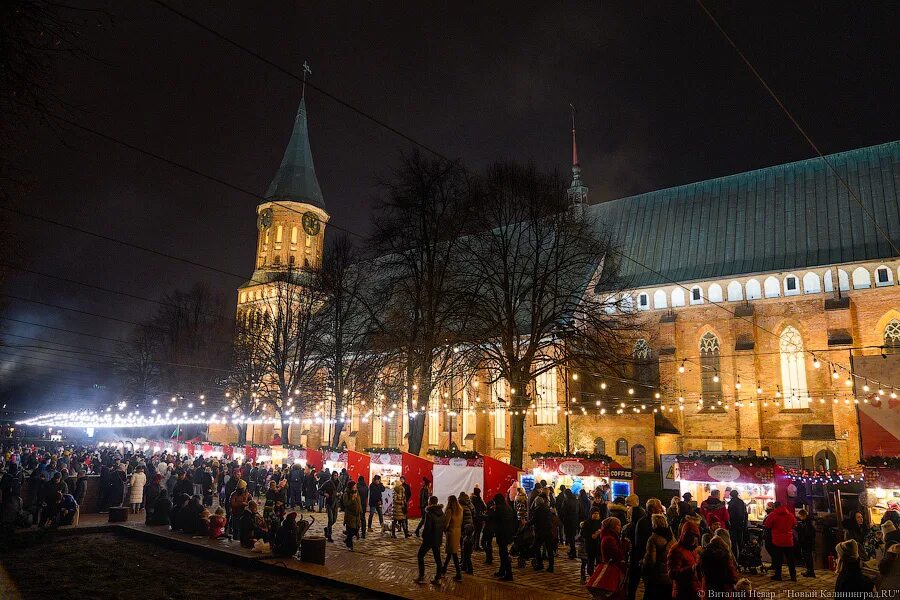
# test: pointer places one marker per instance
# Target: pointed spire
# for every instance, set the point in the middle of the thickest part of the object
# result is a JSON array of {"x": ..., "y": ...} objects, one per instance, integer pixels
[
  {"x": 574, "y": 144},
  {"x": 577, "y": 190},
  {"x": 296, "y": 180}
]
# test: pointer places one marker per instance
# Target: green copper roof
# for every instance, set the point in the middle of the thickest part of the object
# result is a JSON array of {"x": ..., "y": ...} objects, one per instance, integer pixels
[
  {"x": 296, "y": 180},
  {"x": 792, "y": 216}
]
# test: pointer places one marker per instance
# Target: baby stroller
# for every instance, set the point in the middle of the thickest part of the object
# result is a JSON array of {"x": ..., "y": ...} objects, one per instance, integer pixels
[
  {"x": 750, "y": 559},
  {"x": 523, "y": 545}
]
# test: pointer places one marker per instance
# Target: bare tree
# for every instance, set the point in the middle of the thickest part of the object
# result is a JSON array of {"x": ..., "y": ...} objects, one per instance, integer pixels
[
  {"x": 136, "y": 366},
  {"x": 291, "y": 345},
  {"x": 532, "y": 270},
  {"x": 347, "y": 330},
  {"x": 249, "y": 365},
  {"x": 419, "y": 226}
]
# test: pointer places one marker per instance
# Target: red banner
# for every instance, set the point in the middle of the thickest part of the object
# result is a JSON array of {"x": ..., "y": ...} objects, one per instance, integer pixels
[
  {"x": 414, "y": 469},
  {"x": 724, "y": 472},
  {"x": 357, "y": 465},
  {"x": 882, "y": 477},
  {"x": 573, "y": 466},
  {"x": 498, "y": 476}
]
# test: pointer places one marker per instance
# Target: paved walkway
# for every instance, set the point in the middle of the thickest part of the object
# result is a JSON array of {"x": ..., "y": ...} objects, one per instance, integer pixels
[{"x": 385, "y": 564}]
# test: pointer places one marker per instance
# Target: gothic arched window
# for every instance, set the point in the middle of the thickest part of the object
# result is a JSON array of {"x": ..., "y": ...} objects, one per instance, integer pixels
[
  {"x": 642, "y": 350},
  {"x": 711, "y": 384},
  {"x": 600, "y": 445},
  {"x": 793, "y": 369},
  {"x": 892, "y": 337},
  {"x": 622, "y": 447}
]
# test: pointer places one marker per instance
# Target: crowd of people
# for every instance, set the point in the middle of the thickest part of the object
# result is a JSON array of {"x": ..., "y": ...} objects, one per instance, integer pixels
[{"x": 683, "y": 550}]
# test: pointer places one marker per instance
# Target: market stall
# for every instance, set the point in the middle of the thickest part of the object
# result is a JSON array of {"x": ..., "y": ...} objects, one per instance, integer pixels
[
  {"x": 882, "y": 476},
  {"x": 752, "y": 476},
  {"x": 456, "y": 472},
  {"x": 393, "y": 463},
  {"x": 621, "y": 480},
  {"x": 575, "y": 471},
  {"x": 297, "y": 455},
  {"x": 356, "y": 463}
]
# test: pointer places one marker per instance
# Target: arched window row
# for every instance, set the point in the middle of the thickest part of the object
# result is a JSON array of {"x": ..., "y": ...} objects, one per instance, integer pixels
[{"x": 791, "y": 284}]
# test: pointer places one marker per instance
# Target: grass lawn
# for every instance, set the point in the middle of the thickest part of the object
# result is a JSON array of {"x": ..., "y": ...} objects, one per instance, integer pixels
[{"x": 105, "y": 566}]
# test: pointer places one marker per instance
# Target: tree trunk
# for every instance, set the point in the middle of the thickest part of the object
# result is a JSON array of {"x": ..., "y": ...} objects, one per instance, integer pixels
[
  {"x": 416, "y": 432},
  {"x": 242, "y": 434},
  {"x": 285, "y": 430},
  {"x": 336, "y": 435},
  {"x": 517, "y": 438}
]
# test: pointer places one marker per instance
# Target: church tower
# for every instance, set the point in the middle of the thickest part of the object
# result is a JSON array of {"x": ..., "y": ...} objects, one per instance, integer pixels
[
  {"x": 577, "y": 193},
  {"x": 291, "y": 222}
]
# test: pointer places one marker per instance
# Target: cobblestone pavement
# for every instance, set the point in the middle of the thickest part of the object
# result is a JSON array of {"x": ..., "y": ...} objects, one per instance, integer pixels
[
  {"x": 565, "y": 579},
  {"x": 383, "y": 563}
]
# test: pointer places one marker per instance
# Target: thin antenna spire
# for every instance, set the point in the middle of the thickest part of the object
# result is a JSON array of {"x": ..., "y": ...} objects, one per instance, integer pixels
[
  {"x": 306, "y": 71},
  {"x": 574, "y": 144}
]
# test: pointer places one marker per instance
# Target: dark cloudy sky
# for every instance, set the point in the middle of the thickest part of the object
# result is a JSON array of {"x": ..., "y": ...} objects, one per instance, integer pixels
[{"x": 662, "y": 100}]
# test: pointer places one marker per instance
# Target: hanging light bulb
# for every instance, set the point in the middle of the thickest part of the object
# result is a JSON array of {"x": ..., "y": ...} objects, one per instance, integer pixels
[
  {"x": 849, "y": 381},
  {"x": 681, "y": 368},
  {"x": 631, "y": 391},
  {"x": 603, "y": 385},
  {"x": 816, "y": 363},
  {"x": 737, "y": 384},
  {"x": 834, "y": 373},
  {"x": 716, "y": 377},
  {"x": 758, "y": 390},
  {"x": 866, "y": 386}
]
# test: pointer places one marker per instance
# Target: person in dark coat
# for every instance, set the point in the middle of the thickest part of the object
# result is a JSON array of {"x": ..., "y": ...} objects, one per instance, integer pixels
[
  {"x": 375, "y": 501},
  {"x": 806, "y": 539},
  {"x": 310, "y": 489},
  {"x": 584, "y": 506},
  {"x": 850, "y": 577},
  {"x": 162, "y": 509},
  {"x": 116, "y": 493},
  {"x": 285, "y": 543},
  {"x": 541, "y": 521},
  {"x": 568, "y": 508},
  {"x": 363, "y": 490},
  {"x": 424, "y": 496},
  {"x": 80, "y": 487},
  {"x": 478, "y": 510},
  {"x": 737, "y": 515},
  {"x": 855, "y": 528},
  {"x": 295, "y": 486},
  {"x": 151, "y": 494},
  {"x": 178, "y": 512},
  {"x": 432, "y": 538},
  {"x": 503, "y": 523},
  {"x": 183, "y": 485},
  {"x": 590, "y": 536}
]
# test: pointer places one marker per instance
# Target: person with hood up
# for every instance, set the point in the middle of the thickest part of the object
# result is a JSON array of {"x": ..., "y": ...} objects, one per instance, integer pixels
[
  {"x": 890, "y": 534},
  {"x": 584, "y": 505},
  {"x": 889, "y": 567},
  {"x": 657, "y": 585},
  {"x": 453, "y": 529},
  {"x": 352, "y": 513},
  {"x": 713, "y": 510},
  {"x": 618, "y": 509},
  {"x": 850, "y": 578},
  {"x": 613, "y": 549},
  {"x": 717, "y": 569},
  {"x": 399, "y": 510},
  {"x": 682, "y": 561},
  {"x": 432, "y": 537},
  {"x": 780, "y": 523}
]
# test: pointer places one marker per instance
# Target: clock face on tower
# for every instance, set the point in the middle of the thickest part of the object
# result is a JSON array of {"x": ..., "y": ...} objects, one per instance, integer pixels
[
  {"x": 265, "y": 219},
  {"x": 311, "y": 223}
]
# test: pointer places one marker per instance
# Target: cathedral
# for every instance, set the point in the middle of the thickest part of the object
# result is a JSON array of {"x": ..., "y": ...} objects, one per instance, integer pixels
[{"x": 769, "y": 304}]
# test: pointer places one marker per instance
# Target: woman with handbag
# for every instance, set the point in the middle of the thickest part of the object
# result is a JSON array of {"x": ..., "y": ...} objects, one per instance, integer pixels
[{"x": 608, "y": 580}]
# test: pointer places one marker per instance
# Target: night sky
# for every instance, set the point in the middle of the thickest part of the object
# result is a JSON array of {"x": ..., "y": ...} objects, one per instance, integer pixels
[{"x": 662, "y": 100}]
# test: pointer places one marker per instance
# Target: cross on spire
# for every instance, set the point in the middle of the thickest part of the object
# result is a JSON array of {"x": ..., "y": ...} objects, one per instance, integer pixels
[{"x": 306, "y": 71}]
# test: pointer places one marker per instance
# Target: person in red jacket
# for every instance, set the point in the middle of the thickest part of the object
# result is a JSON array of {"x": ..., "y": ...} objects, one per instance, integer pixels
[
  {"x": 714, "y": 510},
  {"x": 780, "y": 523},
  {"x": 682, "y": 561},
  {"x": 613, "y": 549}
]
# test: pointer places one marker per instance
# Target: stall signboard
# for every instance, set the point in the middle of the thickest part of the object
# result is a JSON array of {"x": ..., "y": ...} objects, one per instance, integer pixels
[
  {"x": 621, "y": 473},
  {"x": 459, "y": 461},
  {"x": 669, "y": 470},
  {"x": 573, "y": 466},
  {"x": 724, "y": 472},
  {"x": 882, "y": 477},
  {"x": 387, "y": 458}
]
